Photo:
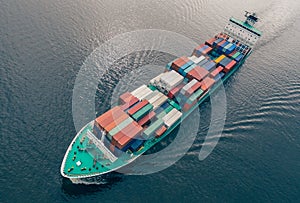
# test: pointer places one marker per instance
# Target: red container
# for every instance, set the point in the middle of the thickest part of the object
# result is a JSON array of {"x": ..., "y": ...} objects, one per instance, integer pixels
[
  {"x": 173, "y": 92},
  {"x": 130, "y": 103},
  {"x": 215, "y": 72},
  {"x": 199, "y": 47},
  {"x": 187, "y": 106},
  {"x": 229, "y": 66},
  {"x": 210, "y": 41},
  {"x": 116, "y": 122},
  {"x": 220, "y": 43},
  {"x": 160, "y": 131},
  {"x": 129, "y": 132},
  {"x": 179, "y": 62},
  {"x": 109, "y": 116},
  {"x": 137, "y": 107},
  {"x": 192, "y": 89},
  {"x": 146, "y": 118},
  {"x": 123, "y": 97},
  {"x": 207, "y": 83},
  {"x": 232, "y": 53},
  {"x": 197, "y": 73}
]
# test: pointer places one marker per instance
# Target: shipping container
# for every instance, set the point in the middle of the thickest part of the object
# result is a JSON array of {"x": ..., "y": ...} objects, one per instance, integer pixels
[
  {"x": 123, "y": 97},
  {"x": 160, "y": 131},
  {"x": 136, "y": 144},
  {"x": 147, "y": 118},
  {"x": 219, "y": 76},
  {"x": 188, "y": 69},
  {"x": 165, "y": 111},
  {"x": 225, "y": 61},
  {"x": 175, "y": 105},
  {"x": 217, "y": 42},
  {"x": 159, "y": 102},
  {"x": 210, "y": 65},
  {"x": 119, "y": 127},
  {"x": 109, "y": 116},
  {"x": 210, "y": 41},
  {"x": 197, "y": 73},
  {"x": 137, "y": 107},
  {"x": 203, "y": 62},
  {"x": 173, "y": 92},
  {"x": 169, "y": 121},
  {"x": 116, "y": 122},
  {"x": 220, "y": 58},
  {"x": 207, "y": 83},
  {"x": 196, "y": 59},
  {"x": 142, "y": 112},
  {"x": 215, "y": 72},
  {"x": 149, "y": 132},
  {"x": 138, "y": 90},
  {"x": 229, "y": 66},
  {"x": 132, "y": 101}
]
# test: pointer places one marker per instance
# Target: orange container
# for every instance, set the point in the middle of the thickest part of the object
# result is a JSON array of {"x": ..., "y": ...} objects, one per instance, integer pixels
[{"x": 160, "y": 131}]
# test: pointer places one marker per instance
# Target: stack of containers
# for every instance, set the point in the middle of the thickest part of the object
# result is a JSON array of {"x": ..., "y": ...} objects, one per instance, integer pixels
[
  {"x": 147, "y": 118},
  {"x": 192, "y": 100},
  {"x": 196, "y": 59},
  {"x": 207, "y": 83},
  {"x": 187, "y": 89},
  {"x": 210, "y": 65},
  {"x": 216, "y": 42},
  {"x": 118, "y": 128},
  {"x": 136, "y": 144},
  {"x": 160, "y": 131},
  {"x": 222, "y": 46},
  {"x": 174, "y": 92},
  {"x": 229, "y": 48},
  {"x": 162, "y": 99},
  {"x": 173, "y": 116},
  {"x": 116, "y": 122},
  {"x": 164, "y": 111},
  {"x": 179, "y": 62},
  {"x": 127, "y": 100},
  {"x": 210, "y": 41},
  {"x": 108, "y": 117},
  {"x": 202, "y": 50},
  {"x": 185, "y": 66},
  {"x": 229, "y": 66},
  {"x": 170, "y": 80},
  {"x": 225, "y": 62},
  {"x": 216, "y": 72},
  {"x": 137, "y": 107},
  {"x": 142, "y": 112},
  {"x": 149, "y": 132},
  {"x": 197, "y": 73},
  {"x": 141, "y": 92},
  {"x": 124, "y": 137},
  {"x": 156, "y": 81}
]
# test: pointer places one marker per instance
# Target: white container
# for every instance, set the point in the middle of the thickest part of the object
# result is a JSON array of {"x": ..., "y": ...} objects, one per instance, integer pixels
[
  {"x": 159, "y": 102},
  {"x": 170, "y": 115},
  {"x": 173, "y": 119},
  {"x": 138, "y": 90},
  {"x": 141, "y": 95},
  {"x": 196, "y": 59},
  {"x": 188, "y": 86}
]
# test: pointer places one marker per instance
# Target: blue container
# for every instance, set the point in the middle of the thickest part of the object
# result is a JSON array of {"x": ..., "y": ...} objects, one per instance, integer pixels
[
  {"x": 239, "y": 58},
  {"x": 222, "y": 46},
  {"x": 225, "y": 62},
  {"x": 136, "y": 144},
  {"x": 168, "y": 66},
  {"x": 210, "y": 65},
  {"x": 230, "y": 49},
  {"x": 219, "y": 76},
  {"x": 203, "y": 62},
  {"x": 188, "y": 69},
  {"x": 217, "y": 41}
]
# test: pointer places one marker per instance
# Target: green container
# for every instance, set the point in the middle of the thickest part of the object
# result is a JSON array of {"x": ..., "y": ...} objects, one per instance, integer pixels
[
  {"x": 151, "y": 87},
  {"x": 165, "y": 111},
  {"x": 195, "y": 96},
  {"x": 152, "y": 128},
  {"x": 119, "y": 127},
  {"x": 142, "y": 112},
  {"x": 236, "y": 55},
  {"x": 175, "y": 105}
]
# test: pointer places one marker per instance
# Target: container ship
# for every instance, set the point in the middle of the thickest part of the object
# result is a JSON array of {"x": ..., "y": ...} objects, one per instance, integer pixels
[{"x": 145, "y": 116}]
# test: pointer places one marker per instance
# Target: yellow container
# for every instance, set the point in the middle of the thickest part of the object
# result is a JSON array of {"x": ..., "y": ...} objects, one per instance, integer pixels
[{"x": 220, "y": 58}]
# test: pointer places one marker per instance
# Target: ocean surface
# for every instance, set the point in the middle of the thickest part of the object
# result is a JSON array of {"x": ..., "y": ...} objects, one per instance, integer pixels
[{"x": 43, "y": 45}]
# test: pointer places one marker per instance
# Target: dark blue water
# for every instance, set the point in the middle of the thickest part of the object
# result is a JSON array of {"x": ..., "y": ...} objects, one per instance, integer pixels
[{"x": 42, "y": 47}]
